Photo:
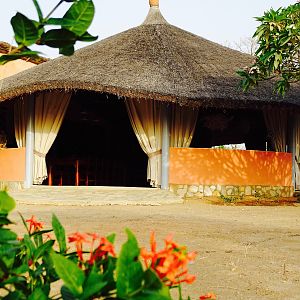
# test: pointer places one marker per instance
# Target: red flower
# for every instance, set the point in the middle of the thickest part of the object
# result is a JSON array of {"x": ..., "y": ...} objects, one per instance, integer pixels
[
  {"x": 34, "y": 225},
  {"x": 104, "y": 248},
  {"x": 170, "y": 264},
  {"x": 79, "y": 238},
  {"x": 208, "y": 296}
]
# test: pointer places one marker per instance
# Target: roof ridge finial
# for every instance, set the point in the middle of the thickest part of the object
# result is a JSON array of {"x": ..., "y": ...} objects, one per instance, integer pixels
[{"x": 154, "y": 3}]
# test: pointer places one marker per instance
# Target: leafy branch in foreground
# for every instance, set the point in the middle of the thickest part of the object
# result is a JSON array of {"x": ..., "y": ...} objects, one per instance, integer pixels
[
  {"x": 72, "y": 27},
  {"x": 278, "y": 55}
]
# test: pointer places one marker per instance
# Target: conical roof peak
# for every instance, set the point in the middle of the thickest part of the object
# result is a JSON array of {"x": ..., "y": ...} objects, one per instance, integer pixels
[{"x": 154, "y": 16}]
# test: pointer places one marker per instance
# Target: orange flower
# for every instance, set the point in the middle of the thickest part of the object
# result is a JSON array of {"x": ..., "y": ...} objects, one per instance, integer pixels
[
  {"x": 79, "y": 239},
  {"x": 104, "y": 248},
  {"x": 34, "y": 225},
  {"x": 208, "y": 296},
  {"x": 170, "y": 264}
]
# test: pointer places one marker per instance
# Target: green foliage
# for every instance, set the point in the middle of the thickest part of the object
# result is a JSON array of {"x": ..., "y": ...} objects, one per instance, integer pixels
[
  {"x": 73, "y": 27},
  {"x": 30, "y": 265},
  {"x": 277, "y": 57}
]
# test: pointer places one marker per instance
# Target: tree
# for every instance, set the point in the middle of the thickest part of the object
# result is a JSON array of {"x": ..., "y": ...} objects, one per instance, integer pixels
[
  {"x": 278, "y": 54},
  {"x": 72, "y": 27}
]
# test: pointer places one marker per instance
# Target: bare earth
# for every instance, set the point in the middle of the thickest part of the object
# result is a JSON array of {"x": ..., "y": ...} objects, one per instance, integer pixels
[{"x": 244, "y": 252}]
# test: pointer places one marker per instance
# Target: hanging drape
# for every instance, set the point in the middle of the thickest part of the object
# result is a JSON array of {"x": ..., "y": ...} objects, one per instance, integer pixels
[
  {"x": 146, "y": 120},
  {"x": 276, "y": 121},
  {"x": 50, "y": 109},
  {"x": 20, "y": 120},
  {"x": 183, "y": 123},
  {"x": 145, "y": 117},
  {"x": 297, "y": 153}
]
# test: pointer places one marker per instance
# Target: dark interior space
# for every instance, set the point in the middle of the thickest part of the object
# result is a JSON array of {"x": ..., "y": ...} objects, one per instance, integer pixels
[
  {"x": 96, "y": 145},
  {"x": 222, "y": 127},
  {"x": 7, "y": 123}
]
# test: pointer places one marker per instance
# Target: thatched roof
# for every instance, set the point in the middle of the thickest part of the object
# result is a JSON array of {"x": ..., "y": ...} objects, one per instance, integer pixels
[
  {"x": 6, "y": 47},
  {"x": 153, "y": 61}
]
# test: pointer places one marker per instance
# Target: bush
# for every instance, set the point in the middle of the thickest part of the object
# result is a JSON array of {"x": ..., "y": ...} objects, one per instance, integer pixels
[{"x": 29, "y": 265}]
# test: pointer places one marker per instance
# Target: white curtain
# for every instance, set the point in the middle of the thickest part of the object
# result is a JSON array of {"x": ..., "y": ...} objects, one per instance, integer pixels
[
  {"x": 145, "y": 117},
  {"x": 50, "y": 109},
  {"x": 183, "y": 123},
  {"x": 146, "y": 120},
  {"x": 297, "y": 154},
  {"x": 276, "y": 121}
]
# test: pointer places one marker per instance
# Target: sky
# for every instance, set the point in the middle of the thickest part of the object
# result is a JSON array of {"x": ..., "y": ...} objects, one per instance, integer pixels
[{"x": 224, "y": 22}]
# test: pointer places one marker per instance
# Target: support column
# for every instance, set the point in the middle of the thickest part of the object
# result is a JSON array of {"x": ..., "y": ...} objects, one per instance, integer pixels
[
  {"x": 292, "y": 145},
  {"x": 29, "y": 156},
  {"x": 165, "y": 148}
]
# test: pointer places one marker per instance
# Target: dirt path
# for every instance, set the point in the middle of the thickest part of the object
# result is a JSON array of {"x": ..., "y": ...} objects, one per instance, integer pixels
[{"x": 243, "y": 252}]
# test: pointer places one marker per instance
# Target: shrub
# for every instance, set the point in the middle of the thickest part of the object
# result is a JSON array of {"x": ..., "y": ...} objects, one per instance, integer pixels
[{"x": 29, "y": 265}]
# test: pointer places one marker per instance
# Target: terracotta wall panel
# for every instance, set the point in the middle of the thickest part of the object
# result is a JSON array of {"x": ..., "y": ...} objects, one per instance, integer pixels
[
  {"x": 229, "y": 167},
  {"x": 12, "y": 164}
]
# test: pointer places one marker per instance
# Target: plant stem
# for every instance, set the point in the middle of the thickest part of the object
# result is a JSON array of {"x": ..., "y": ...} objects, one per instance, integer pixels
[
  {"x": 38, "y": 9},
  {"x": 53, "y": 10}
]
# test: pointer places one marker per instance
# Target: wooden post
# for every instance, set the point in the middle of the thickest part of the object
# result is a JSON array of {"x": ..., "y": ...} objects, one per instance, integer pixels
[
  {"x": 165, "y": 148},
  {"x": 29, "y": 156}
]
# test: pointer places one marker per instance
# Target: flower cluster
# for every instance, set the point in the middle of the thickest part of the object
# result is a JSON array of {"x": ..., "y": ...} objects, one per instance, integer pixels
[
  {"x": 170, "y": 263},
  {"x": 104, "y": 246},
  {"x": 34, "y": 225}
]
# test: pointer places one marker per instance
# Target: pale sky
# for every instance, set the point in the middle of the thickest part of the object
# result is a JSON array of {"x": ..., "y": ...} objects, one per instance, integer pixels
[{"x": 224, "y": 22}]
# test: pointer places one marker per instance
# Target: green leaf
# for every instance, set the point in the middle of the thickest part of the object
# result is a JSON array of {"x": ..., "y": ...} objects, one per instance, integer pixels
[
  {"x": 93, "y": 285},
  {"x": 153, "y": 288},
  {"x": 9, "y": 57},
  {"x": 38, "y": 10},
  {"x": 60, "y": 234},
  {"x": 67, "y": 50},
  {"x": 7, "y": 203},
  {"x": 67, "y": 294},
  {"x": 129, "y": 268},
  {"x": 40, "y": 251},
  {"x": 69, "y": 272},
  {"x": 82, "y": 12},
  {"x": 25, "y": 31},
  {"x": 111, "y": 238},
  {"x": 58, "y": 38},
  {"x": 86, "y": 37},
  {"x": 7, "y": 235},
  {"x": 61, "y": 22},
  {"x": 38, "y": 294}
]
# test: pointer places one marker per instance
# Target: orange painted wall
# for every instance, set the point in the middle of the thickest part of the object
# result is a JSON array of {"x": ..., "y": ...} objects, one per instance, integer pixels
[
  {"x": 194, "y": 166},
  {"x": 12, "y": 164}
]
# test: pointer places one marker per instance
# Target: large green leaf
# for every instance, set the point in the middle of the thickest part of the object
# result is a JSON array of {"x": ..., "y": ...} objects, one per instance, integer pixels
[
  {"x": 60, "y": 234},
  {"x": 44, "y": 248},
  {"x": 86, "y": 37},
  {"x": 7, "y": 235},
  {"x": 7, "y": 203},
  {"x": 83, "y": 13},
  {"x": 69, "y": 272},
  {"x": 25, "y": 30},
  {"x": 58, "y": 38},
  {"x": 93, "y": 285},
  {"x": 38, "y": 294},
  {"x": 129, "y": 268},
  {"x": 153, "y": 288}
]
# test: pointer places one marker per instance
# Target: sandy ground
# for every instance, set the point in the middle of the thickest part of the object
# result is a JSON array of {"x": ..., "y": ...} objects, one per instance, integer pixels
[{"x": 244, "y": 252}]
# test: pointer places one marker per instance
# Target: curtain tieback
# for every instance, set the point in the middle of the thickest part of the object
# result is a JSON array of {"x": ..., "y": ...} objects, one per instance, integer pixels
[
  {"x": 155, "y": 153},
  {"x": 39, "y": 154}
]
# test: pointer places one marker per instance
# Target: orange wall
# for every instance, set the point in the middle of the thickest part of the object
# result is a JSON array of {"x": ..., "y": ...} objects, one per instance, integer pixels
[
  {"x": 195, "y": 166},
  {"x": 12, "y": 164}
]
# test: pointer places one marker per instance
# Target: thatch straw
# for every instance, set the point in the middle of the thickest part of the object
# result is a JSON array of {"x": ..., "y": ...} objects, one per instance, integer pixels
[{"x": 153, "y": 61}]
